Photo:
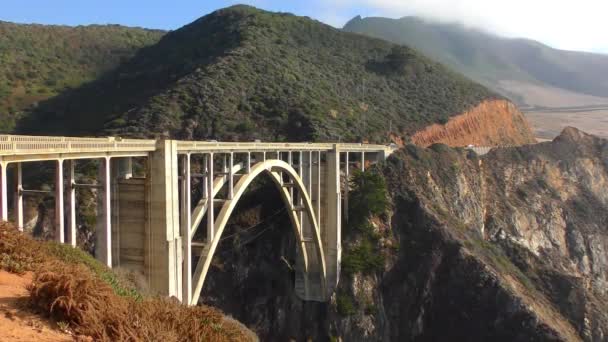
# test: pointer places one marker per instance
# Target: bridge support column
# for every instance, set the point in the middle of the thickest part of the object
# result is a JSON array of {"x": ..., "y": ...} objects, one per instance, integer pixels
[
  {"x": 186, "y": 223},
  {"x": 19, "y": 196},
  {"x": 164, "y": 250},
  {"x": 230, "y": 176},
  {"x": 210, "y": 199},
  {"x": 362, "y": 161},
  {"x": 72, "y": 203},
  {"x": 346, "y": 185},
  {"x": 103, "y": 250},
  {"x": 3, "y": 194},
  {"x": 59, "y": 217},
  {"x": 333, "y": 222}
]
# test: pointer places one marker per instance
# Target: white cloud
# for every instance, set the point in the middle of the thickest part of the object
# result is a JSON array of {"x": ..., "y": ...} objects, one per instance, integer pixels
[{"x": 565, "y": 24}]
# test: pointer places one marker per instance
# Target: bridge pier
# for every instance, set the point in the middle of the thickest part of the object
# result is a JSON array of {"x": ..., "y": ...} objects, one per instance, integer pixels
[
  {"x": 333, "y": 222},
  {"x": 164, "y": 248},
  {"x": 59, "y": 217},
  {"x": 186, "y": 224},
  {"x": 103, "y": 229}
]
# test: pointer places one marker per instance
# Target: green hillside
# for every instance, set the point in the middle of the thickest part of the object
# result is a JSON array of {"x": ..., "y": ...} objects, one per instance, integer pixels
[
  {"x": 40, "y": 61},
  {"x": 493, "y": 60},
  {"x": 243, "y": 73}
]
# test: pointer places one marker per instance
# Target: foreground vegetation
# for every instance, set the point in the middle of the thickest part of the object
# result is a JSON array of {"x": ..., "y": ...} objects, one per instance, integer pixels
[
  {"x": 40, "y": 61},
  {"x": 89, "y": 299}
]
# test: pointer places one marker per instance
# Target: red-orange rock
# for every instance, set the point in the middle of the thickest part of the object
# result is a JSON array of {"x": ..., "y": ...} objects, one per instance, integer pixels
[{"x": 491, "y": 123}]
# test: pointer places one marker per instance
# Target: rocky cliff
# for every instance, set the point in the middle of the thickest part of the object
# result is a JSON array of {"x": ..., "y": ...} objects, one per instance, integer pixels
[
  {"x": 511, "y": 246},
  {"x": 490, "y": 123}
]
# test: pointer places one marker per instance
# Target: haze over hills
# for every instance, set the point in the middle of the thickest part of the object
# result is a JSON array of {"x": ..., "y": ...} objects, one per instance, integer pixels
[
  {"x": 528, "y": 72},
  {"x": 243, "y": 73},
  {"x": 40, "y": 61}
]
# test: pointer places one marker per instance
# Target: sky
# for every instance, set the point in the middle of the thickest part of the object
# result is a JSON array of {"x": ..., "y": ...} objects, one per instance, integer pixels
[{"x": 565, "y": 24}]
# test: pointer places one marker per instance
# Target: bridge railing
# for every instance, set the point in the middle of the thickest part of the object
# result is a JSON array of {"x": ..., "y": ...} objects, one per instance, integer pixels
[
  {"x": 23, "y": 144},
  {"x": 261, "y": 146}
]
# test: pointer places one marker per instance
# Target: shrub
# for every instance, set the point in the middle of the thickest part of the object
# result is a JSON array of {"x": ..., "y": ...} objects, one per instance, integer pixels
[
  {"x": 18, "y": 252},
  {"x": 75, "y": 256},
  {"x": 72, "y": 287},
  {"x": 345, "y": 304},
  {"x": 363, "y": 258},
  {"x": 72, "y": 293},
  {"x": 369, "y": 196}
]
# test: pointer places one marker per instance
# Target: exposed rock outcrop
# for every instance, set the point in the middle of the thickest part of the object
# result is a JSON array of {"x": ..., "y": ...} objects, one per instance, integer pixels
[
  {"x": 511, "y": 246},
  {"x": 491, "y": 123}
]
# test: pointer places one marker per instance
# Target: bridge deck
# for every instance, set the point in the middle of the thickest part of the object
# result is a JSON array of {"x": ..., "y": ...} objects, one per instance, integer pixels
[{"x": 20, "y": 148}]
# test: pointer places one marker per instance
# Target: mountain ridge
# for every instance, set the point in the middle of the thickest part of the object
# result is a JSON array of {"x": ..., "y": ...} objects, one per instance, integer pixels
[
  {"x": 490, "y": 59},
  {"x": 243, "y": 73}
]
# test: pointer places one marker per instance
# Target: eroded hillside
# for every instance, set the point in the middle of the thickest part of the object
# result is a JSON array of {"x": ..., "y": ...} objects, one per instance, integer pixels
[{"x": 491, "y": 123}]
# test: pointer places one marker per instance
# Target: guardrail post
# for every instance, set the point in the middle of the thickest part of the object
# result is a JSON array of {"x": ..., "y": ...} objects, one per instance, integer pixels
[
  {"x": 19, "y": 197},
  {"x": 59, "y": 213}
]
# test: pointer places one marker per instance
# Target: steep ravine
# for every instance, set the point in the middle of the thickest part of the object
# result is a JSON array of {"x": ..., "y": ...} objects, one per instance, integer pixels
[
  {"x": 490, "y": 123},
  {"x": 511, "y": 246}
]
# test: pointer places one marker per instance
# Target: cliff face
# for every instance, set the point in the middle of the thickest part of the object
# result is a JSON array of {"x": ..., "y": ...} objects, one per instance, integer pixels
[
  {"x": 509, "y": 246},
  {"x": 491, "y": 123}
]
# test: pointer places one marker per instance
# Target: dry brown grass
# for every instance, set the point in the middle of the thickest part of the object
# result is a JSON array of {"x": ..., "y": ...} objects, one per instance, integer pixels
[
  {"x": 18, "y": 252},
  {"x": 75, "y": 294}
]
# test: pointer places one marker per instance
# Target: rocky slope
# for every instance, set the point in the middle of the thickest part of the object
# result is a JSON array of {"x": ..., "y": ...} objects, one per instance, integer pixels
[
  {"x": 491, "y": 123},
  {"x": 511, "y": 246}
]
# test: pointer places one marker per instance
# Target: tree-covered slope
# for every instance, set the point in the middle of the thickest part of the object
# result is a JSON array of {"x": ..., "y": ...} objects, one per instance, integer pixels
[
  {"x": 243, "y": 73},
  {"x": 509, "y": 66},
  {"x": 40, "y": 61}
]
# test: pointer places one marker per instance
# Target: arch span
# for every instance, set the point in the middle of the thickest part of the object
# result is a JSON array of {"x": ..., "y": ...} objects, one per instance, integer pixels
[{"x": 276, "y": 169}]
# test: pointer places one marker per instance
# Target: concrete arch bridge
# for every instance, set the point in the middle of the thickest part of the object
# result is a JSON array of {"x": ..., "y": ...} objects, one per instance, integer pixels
[{"x": 148, "y": 222}]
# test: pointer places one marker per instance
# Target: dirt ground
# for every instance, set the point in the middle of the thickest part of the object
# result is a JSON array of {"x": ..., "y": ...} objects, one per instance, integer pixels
[{"x": 17, "y": 323}]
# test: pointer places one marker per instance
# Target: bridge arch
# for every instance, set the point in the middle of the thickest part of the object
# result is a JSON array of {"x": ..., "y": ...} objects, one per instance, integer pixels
[{"x": 275, "y": 169}]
